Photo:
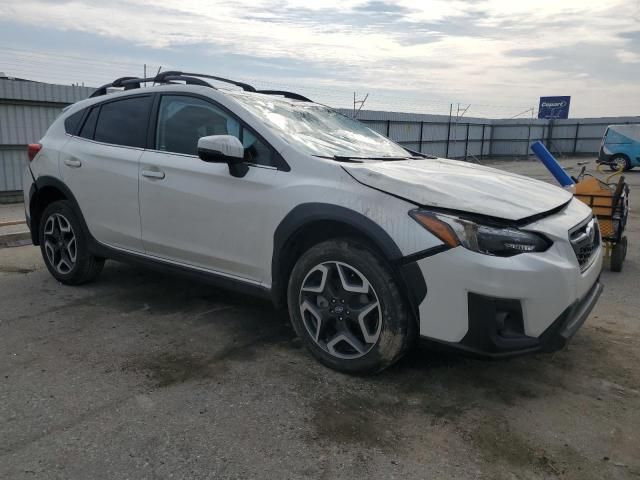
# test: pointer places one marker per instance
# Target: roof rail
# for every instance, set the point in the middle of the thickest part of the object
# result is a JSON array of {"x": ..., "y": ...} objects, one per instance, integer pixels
[
  {"x": 171, "y": 76},
  {"x": 129, "y": 83},
  {"x": 245, "y": 86},
  {"x": 292, "y": 95}
]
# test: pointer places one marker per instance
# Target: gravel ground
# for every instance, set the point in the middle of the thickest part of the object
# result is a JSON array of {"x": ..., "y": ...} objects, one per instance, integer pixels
[{"x": 145, "y": 375}]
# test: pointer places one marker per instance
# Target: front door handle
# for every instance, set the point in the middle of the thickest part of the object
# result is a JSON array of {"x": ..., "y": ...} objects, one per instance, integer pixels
[
  {"x": 153, "y": 174},
  {"x": 72, "y": 162}
]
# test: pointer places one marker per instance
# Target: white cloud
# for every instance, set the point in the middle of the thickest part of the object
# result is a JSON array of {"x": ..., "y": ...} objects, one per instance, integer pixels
[
  {"x": 463, "y": 49},
  {"x": 625, "y": 56}
]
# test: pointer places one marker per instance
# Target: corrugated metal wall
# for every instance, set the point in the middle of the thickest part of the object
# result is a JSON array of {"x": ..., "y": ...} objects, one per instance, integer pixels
[
  {"x": 12, "y": 164},
  {"x": 42, "y": 92},
  {"x": 26, "y": 111},
  {"x": 23, "y": 124}
]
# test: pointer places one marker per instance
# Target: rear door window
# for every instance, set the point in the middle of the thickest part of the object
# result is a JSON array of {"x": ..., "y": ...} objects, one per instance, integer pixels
[{"x": 124, "y": 122}]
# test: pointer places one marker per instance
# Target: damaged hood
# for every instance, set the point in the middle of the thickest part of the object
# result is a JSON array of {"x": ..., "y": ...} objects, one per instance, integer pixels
[{"x": 461, "y": 186}]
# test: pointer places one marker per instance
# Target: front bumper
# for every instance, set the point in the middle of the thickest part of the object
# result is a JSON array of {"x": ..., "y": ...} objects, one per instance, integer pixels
[
  {"x": 484, "y": 337},
  {"x": 501, "y": 306}
]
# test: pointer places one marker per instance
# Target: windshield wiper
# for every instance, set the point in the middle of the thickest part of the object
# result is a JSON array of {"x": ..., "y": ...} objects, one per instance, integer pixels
[
  {"x": 343, "y": 158},
  {"x": 415, "y": 154},
  {"x": 347, "y": 159}
]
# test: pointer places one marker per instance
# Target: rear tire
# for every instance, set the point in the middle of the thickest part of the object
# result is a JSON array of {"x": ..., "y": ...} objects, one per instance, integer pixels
[
  {"x": 64, "y": 248},
  {"x": 619, "y": 160},
  {"x": 346, "y": 307},
  {"x": 618, "y": 254}
]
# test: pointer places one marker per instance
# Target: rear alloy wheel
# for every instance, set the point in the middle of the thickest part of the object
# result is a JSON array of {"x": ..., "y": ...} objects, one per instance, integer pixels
[
  {"x": 60, "y": 243},
  {"x": 346, "y": 307},
  {"x": 64, "y": 247}
]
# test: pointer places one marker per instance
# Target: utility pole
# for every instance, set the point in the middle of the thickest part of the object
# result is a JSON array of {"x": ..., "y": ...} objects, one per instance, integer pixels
[
  {"x": 446, "y": 154},
  {"x": 526, "y": 153},
  {"x": 359, "y": 103},
  {"x": 455, "y": 129},
  {"x": 157, "y": 73}
]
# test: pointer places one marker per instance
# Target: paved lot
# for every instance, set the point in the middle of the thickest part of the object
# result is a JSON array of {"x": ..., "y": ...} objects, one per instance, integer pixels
[{"x": 144, "y": 375}]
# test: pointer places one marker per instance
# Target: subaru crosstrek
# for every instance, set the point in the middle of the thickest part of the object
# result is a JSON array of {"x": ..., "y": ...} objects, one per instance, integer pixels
[{"x": 368, "y": 244}]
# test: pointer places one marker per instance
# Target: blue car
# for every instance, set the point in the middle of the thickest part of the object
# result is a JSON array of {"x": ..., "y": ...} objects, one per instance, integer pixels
[{"x": 620, "y": 147}]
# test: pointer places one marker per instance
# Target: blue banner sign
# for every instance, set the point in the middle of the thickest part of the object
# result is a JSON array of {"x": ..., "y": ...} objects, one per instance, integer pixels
[{"x": 554, "y": 107}]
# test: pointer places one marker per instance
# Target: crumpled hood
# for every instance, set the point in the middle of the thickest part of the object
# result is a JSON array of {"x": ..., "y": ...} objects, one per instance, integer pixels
[{"x": 461, "y": 186}]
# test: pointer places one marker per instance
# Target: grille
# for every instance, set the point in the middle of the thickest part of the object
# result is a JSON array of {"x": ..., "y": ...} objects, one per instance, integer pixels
[{"x": 585, "y": 241}]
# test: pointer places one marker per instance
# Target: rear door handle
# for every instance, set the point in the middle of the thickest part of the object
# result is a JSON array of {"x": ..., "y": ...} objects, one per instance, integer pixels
[
  {"x": 72, "y": 162},
  {"x": 152, "y": 174}
]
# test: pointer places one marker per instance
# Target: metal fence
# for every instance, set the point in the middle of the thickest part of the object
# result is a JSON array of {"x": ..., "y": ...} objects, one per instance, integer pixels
[
  {"x": 439, "y": 138},
  {"x": 496, "y": 138},
  {"x": 562, "y": 137},
  {"x": 28, "y": 108}
]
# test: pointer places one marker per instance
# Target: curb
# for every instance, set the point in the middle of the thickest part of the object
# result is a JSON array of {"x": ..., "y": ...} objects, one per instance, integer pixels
[
  {"x": 11, "y": 223},
  {"x": 15, "y": 239}
]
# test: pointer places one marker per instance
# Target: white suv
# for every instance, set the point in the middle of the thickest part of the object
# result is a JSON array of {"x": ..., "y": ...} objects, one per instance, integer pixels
[{"x": 368, "y": 244}]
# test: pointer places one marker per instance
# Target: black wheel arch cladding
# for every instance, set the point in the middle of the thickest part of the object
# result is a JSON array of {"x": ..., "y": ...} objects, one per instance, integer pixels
[
  {"x": 410, "y": 278},
  {"x": 41, "y": 185}
]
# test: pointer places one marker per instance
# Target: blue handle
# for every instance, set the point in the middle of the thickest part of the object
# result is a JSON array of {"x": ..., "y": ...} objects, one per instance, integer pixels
[{"x": 552, "y": 164}]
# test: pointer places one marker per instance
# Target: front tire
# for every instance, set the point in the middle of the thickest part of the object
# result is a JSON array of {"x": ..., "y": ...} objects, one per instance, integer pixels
[
  {"x": 64, "y": 247},
  {"x": 346, "y": 307}
]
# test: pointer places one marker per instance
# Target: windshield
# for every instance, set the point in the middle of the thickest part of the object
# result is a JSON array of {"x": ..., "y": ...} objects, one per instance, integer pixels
[{"x": 319, "y": 130}]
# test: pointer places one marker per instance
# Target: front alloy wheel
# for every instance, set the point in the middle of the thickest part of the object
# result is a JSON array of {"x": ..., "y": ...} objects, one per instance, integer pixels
[
  {"x": 346, "y": 307},
  {"x": 340, "y": 310}
]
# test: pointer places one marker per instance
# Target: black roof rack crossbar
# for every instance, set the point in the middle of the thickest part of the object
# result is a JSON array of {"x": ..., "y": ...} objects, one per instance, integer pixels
[
  {"x": 244, "y": 86},
  {"x": 100, "y": 91},
  {"x": 123, "y": 82},
  {"x": 128, "y": 83},
  {"x": 292, "y": 95},
  {"x": 186, "y": 79}
]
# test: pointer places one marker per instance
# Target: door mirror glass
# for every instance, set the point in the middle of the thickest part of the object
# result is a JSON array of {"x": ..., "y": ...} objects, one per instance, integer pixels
[{"x": 224, "y": 148}]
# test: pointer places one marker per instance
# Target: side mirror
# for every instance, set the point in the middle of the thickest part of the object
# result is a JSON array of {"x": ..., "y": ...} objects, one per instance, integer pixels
[{"x": 223, "y": 149}]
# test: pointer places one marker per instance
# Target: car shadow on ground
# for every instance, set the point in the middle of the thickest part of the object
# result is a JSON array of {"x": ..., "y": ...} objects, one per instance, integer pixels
[{"x": 246, "y": 328}]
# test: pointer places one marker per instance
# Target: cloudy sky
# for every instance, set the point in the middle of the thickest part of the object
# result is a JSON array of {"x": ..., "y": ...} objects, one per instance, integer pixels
[{"x": 498, "y": 56}]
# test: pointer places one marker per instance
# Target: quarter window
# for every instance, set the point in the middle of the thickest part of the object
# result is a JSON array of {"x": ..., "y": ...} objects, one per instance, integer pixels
[
  {"x": 124, "y": 122},
  {"x": 182, "y": 120},
  {"x": 72, "y": 122},
  {"x": 89, "y": 127}
]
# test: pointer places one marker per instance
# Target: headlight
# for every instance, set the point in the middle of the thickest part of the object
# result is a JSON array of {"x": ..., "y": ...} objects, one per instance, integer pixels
[{"x": 478, "y": 237}]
